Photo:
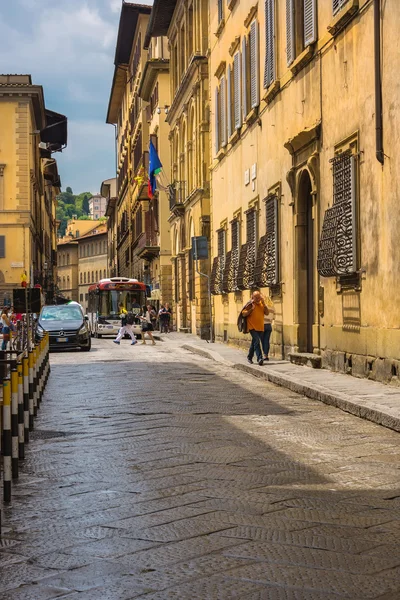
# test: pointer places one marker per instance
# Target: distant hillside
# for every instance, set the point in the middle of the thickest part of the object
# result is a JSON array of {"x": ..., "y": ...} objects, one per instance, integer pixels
[{"x": 69, "y": 204}]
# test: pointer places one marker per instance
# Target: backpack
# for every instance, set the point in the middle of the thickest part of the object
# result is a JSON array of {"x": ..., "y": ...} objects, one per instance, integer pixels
[{"x": 130, "y": 319}]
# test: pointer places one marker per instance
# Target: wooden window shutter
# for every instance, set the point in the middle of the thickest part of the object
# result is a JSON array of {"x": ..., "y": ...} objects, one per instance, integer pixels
[
  {"x": 310, "y": 22},
  {"x": 290, "y": 32},
  {"x": 2, "y": 246},
  {"x": 222, "y": 106},
  {"x": 220, "y": 11},
  {"x": 229, "y": 101},
  {"x": 216, "y": 120},
  {"x": 269, "y": 73},
  {"x": 237, "y": 91},
  {"x": 254, "y": 65},
  {"x": 244, "y": 78}
]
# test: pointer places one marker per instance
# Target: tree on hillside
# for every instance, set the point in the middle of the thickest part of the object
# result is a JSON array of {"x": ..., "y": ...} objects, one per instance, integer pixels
[
  {"x": 85, "y": 204},
  {"x": 68, "y": 190},
  {"x": 68, "y": 205}
]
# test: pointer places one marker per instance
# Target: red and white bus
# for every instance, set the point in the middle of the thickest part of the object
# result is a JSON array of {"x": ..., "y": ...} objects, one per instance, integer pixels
[{"x": 105, "y": 298}]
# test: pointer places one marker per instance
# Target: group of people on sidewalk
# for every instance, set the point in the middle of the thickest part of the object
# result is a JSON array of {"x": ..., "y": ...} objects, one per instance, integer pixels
[
  {"x": 259, "y": 314},
  {"x": 148, "y": 319}
]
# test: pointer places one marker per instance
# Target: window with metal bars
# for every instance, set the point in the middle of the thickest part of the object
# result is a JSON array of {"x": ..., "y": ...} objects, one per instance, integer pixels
[
  {"x": 301, "y": 27},
  {"x": 337, "y": 251},
  {"x": 251, "y": 226},
  {"x": 222, "y": 244}
]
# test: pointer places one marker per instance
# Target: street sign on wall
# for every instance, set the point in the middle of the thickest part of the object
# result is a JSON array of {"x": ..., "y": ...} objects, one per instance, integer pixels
[{"x": 200, "y": 247}]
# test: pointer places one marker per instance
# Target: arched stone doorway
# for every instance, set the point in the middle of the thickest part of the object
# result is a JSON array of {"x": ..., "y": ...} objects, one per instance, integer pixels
[{"x": 305, "y": 264}]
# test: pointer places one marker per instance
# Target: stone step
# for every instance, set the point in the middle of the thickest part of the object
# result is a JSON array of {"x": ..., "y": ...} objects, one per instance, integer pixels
[{"x": 306, "y": 359}]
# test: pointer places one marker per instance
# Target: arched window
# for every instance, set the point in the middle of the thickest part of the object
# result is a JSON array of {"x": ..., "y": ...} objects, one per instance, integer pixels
[
  {"x": 84, "y": 278},
  {"x": 80, "y": 278},
  {"x": 91, "y": 249},
  {"x": 92, "y": 275},
  {"x": 105, "y": 274},
  {"x": 63, "y": 282},
  {"x": 97, "y": 276},
  {"x": 68, "y": 258}
]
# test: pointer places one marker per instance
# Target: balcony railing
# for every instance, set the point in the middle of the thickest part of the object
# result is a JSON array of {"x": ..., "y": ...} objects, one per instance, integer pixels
[{"x": 177, "y": 195}]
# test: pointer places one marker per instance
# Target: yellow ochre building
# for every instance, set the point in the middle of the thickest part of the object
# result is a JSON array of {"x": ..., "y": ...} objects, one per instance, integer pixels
[
  {"x": 304, "y": 180},
  {"x": 29, "y": 184}
]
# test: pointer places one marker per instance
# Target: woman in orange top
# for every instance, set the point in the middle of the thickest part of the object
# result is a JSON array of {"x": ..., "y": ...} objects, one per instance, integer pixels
[{"x": 255, "y": 312}]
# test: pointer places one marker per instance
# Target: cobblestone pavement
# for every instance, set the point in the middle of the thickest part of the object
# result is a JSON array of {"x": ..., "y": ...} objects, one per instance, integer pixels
[{"x": 153, "y": 473}]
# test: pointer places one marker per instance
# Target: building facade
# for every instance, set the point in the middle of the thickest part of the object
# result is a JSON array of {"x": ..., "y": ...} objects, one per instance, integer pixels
[
  {"x": 68, "y": 256},
  {"x": 67, "y": 269},
  {"x": 154, "y": 90},
  {"x": 185, "y": 24},
  {"x": 108, "y": 190},
  {"x": 29, "y": 184},
  {"x": 92, "y": 261},
  {"x": 97, "y": 206},
  {"x": 305, "y": 122},
  {"x": 125, "y": 112}
]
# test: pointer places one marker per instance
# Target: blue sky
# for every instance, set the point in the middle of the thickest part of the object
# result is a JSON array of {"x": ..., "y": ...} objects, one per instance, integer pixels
[{"x": 68, "y": 47}]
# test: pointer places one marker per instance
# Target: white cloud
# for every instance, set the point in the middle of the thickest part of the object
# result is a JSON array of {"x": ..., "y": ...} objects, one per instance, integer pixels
[{"x": 115, "y": 5}]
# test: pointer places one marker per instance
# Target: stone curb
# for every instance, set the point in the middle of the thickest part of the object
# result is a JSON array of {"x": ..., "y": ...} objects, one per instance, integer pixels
[{"x": 315, "y": 392}]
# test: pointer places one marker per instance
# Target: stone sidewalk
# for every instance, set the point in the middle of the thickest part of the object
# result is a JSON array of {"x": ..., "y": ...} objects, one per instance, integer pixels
[{"x": 367, "y": 399}]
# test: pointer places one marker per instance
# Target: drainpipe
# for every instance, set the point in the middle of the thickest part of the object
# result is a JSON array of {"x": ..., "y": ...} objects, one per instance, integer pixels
[{"x": 378, "y": 82}]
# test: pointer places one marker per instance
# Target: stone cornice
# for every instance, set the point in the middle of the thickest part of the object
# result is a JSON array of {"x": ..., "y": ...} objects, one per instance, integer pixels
[{"x": 252, "y": 15}]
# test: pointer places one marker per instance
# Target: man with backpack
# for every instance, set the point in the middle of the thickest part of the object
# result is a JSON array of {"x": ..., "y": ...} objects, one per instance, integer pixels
[
  {"x": 127, "y": 320},
  {"x": 253, "y": 313}
]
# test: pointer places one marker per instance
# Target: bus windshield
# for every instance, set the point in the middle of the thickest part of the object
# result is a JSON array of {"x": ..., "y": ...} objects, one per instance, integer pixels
[{"x": 111, "y": 300}]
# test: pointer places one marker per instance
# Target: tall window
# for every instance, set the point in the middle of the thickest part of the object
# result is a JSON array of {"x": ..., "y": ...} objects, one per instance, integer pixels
[
  {"x": 301, "y": 27},
  {"x": 80, "y": 278},
  {"x": 2, "y": 246},
  {"x": 338, "y": 5},
  {"x": 84, "y": 277},
  {"x": 270, "y": 59},
  {"x": 220, "y": 10},
  {"x": 237, "y": 91},
  {"x": 220, "y": 115}
]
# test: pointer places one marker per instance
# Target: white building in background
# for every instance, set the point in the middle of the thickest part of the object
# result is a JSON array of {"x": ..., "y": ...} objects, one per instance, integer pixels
[{"x": 97, "y": 206}]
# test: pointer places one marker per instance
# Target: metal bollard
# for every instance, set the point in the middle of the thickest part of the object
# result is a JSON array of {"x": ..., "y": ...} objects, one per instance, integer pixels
[
  {"x": 7, "y": 440},
  {"x": 35, "y": 402},
  {"x": 14, "y": 422},
  {"x": 31, "y": 406},
  {"x": 25, "y": 373},
  {"x": 21, "y": 432}
]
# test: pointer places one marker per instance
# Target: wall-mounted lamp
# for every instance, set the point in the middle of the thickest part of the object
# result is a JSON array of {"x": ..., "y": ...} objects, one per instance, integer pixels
[{"x": 166, "y": 109}]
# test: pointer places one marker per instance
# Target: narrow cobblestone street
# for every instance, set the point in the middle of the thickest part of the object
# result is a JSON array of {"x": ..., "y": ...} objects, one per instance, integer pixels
[{"x": 154, "y": 473}]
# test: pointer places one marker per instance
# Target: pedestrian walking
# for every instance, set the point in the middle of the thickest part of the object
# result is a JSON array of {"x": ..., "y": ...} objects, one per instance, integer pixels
[
  {"x": 147, "y": 326},
  {"x": 254, "y": 312},
  {"x": 164, "y": 317},
  {"x": 127, "y": 320},
  {"x": 268, "y": 320},
  {"x": 6, "y": 327},
  {"x": 169, "y": 316}
]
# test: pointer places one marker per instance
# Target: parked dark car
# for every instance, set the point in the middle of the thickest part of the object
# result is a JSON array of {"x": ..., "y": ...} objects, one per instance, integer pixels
[{"x": 67, "y": 326}]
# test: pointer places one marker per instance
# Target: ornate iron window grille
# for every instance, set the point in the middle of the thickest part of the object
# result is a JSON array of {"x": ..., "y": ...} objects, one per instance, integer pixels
[
  {"x": 217, "y": 272},
  {"x": 337, "y": 251},
  {"x": 247, "y": 257},
  {"x": 267, "y": 265}
]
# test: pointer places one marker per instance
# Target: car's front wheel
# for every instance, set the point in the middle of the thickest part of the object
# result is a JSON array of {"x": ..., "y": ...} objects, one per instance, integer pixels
[{"x": 88, "y": 347}]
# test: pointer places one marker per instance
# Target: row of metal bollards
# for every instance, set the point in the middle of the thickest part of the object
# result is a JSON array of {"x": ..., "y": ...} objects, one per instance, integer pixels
[{"x": 23, "y": 391}]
